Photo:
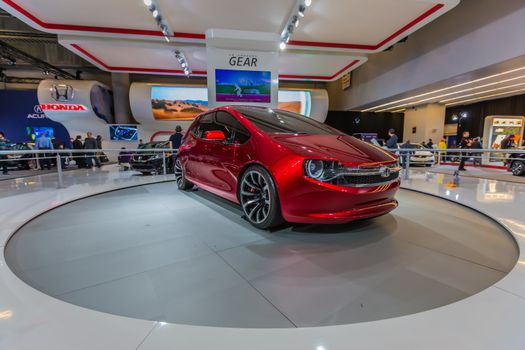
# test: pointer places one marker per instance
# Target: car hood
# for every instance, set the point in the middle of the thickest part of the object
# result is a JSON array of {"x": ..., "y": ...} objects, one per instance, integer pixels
[{"x": 344, "y": 148}]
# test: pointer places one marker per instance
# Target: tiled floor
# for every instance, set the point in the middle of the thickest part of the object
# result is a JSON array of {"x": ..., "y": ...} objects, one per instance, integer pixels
[{"x": 156, "y": 253}]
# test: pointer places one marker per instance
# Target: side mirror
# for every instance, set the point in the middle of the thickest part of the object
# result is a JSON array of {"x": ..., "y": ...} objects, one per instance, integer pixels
[{"x": 214, "y": 135}]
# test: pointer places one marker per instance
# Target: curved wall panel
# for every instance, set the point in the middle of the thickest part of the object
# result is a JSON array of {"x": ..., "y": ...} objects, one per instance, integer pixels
[{"x": 152, "y": 124}]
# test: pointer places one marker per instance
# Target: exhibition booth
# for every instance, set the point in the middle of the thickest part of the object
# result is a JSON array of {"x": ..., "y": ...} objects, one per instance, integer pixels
[{"x": 275, "y": 220}]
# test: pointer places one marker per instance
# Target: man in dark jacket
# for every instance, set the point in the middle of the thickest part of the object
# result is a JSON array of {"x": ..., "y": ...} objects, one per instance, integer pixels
[
  {"x": 4, "y": 146},
  {"x": 391, "y": 143},
  {"x": 176, "y": 138},
  {"x": 91, "y": 144},
  {"x": 465, "y": 143},
  {"x": 79, "y": 157}
]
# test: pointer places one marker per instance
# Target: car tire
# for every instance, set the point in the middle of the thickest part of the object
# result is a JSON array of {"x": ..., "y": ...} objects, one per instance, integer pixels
[
  {"x": 259, "y": 198},
  {"x": 518, "y": 168},
  {"x": 182, "y": 183}
]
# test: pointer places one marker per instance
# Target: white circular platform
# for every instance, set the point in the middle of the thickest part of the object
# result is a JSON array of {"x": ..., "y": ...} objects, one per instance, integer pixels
[{"x": 155, "y": 253}]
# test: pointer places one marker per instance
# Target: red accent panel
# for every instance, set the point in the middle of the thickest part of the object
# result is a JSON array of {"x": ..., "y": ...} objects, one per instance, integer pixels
[
  {"x": 130, "y": 69},
  {"x": 422, "y": 17},
  {"x": 318, "y": 77},
  {"x": 198, "y": 72},
  {"x": 81, "y": 28}
]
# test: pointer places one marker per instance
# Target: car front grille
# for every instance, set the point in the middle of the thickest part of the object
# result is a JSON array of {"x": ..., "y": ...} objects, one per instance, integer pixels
[
  {"x": 367, "y": 176},
  {"x": 367, "y": 180}
]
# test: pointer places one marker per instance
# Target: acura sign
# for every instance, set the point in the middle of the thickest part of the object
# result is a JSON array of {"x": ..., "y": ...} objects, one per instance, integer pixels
[{"x": 39, "y": 114}]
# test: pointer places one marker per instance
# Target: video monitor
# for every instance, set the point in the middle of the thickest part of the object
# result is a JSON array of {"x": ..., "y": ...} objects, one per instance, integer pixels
[
  {"x": 123, "y": 133},
  {"x": 243, "y": 86},
  {"x": 33, "y": 132},
  {"x": 178, "y": 102}
]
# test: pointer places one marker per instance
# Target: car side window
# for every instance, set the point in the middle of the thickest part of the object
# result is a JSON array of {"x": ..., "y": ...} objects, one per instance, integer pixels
[
  {"x": 204, "y": 124},
  {"x": 235, "y": 132}
]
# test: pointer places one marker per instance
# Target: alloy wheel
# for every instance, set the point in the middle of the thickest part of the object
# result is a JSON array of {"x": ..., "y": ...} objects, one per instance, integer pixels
[
  {"x": 255, "y": 197},
  {"x": 178, "y": 173},
  {"x": 518, "y": 168}
]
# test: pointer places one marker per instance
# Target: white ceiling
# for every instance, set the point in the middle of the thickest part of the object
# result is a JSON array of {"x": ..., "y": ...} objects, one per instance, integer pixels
[
  {"x": 330, "y": 27},
  {"x": 493, "y": 82}
]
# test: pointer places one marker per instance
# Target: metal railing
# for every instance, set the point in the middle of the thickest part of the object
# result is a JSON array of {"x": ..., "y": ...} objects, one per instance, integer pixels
[
  {"x": 453, "y": 156},
  {"x": 59, "y": 158}
]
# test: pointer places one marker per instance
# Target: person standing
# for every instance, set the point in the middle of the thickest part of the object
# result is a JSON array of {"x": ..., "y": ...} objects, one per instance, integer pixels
[
  {"x": 442, "y": 145},
  {"x": 406, "y": 153},
  {"x": 176, "y": 138},
  {"x": 430, "y": 144},
  {"x": 79, "y": 157},
  {"x": 391, "y": 143},
  {"x": 4, "y": 146},
  {"x": 90, "y": 143},
  {"x": 99, "y": 142},
  {"x": 507, "y": 142},
  {"x": 464, "y": 144},
  {"x": 476, "y": 144},
  {"x": 43, "y": 143}
]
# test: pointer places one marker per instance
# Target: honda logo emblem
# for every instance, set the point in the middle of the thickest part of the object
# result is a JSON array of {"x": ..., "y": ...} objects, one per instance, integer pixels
[{"x": 62, "y": 92}]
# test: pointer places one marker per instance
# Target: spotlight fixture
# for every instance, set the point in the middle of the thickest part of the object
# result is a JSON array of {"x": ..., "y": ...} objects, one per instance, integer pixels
[
  {"x": 301, "y": 10},
  {"x": 183, "y": 62},
  {"x": 293, "y": 22},
  {"x": 156, "y": 13}
]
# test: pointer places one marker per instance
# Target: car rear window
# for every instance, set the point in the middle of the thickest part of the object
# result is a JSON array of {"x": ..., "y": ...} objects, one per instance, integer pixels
[{"x": 279, "y": 121}]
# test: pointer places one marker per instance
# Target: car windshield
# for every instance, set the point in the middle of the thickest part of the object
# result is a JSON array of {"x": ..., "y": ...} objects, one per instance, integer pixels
[{"x": 283, "y": 122}]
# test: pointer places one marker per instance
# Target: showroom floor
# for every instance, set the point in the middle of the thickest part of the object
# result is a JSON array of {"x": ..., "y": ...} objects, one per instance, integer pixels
[{"x": 155, "y": 253}]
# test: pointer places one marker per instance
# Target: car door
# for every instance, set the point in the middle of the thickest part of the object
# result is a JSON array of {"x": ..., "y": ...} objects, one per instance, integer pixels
[
  {"x": 220, "y": 155},
  {"x": 194, "y": 153}
]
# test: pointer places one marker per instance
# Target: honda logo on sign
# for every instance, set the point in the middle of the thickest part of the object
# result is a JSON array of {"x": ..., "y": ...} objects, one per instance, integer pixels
[
  {"x": 62, "y": 92},
  {"x": 63, "y": 107}
]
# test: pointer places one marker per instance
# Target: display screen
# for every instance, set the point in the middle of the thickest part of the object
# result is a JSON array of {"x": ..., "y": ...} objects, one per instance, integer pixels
[
  {"x": 33, "y": 132},
  {"x": 177, "y": 102},
  {"x": 297, "y": 101},
  {"x": 243, "y": 86},
  {"x": 123, "y": 133}
]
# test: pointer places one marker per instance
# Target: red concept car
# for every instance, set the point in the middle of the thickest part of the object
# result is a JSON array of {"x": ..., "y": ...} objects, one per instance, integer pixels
[{"x": 281, "y": 166}]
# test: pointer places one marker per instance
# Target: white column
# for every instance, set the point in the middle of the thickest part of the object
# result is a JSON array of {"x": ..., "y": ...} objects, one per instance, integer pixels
[{"x": 428, "y": 121}]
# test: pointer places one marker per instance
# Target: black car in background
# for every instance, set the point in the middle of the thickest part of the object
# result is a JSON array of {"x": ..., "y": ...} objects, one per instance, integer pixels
[
  {"x": 152, "y": 162},
  {"x": 20, "y": 161},
  {"x": 516, "y": 163}
]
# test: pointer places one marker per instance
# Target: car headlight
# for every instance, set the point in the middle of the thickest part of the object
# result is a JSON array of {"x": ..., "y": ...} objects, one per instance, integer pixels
[{"x": 321, "y": 170}]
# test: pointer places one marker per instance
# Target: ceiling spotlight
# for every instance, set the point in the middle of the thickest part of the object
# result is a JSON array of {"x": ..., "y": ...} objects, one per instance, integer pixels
[
  {"x": 308, "y": 2},
  {"x": 290, "y": 29},
  {"x": 301, "y": 11},
  {"x": 282, "y": 45},
  {"x": 184, "y": 64},
  {"x": 155, "y": 13},
  {"x": 296, "y": 23},
  {"x": 147, "y": 2},
  {"x": 167, "y": 39}
]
